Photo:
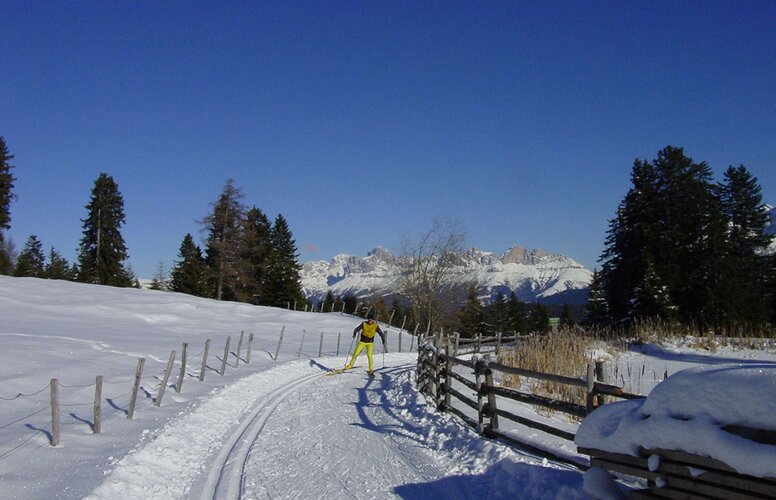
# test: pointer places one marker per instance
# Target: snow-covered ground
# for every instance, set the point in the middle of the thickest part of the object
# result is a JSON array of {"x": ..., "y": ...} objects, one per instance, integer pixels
[{"x": 268, "y": 429}]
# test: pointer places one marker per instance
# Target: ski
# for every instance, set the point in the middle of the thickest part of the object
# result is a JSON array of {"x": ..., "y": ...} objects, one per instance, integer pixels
[{"x": 339, "y": 370}]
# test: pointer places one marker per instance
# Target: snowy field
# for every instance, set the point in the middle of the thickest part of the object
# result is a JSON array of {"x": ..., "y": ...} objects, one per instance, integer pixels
[{"x": 268, "y": 429}]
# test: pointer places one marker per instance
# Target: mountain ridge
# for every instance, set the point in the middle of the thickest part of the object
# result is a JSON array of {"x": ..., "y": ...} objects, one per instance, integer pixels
[{"x": 533, "y": 275}]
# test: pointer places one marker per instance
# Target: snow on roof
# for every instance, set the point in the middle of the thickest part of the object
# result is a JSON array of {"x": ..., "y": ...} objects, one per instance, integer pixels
[{"x": 689, "y": 411}]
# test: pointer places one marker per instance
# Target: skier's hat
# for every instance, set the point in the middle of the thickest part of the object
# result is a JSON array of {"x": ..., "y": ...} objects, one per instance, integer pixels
[{"x": 370, "y": 315}]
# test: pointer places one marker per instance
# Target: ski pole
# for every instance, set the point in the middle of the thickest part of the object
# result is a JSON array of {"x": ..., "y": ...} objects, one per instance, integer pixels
[{"x": 349, "y": 348}]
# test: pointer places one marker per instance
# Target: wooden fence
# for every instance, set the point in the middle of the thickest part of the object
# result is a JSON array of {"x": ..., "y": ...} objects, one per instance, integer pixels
[{"x": 436, "y": 374}]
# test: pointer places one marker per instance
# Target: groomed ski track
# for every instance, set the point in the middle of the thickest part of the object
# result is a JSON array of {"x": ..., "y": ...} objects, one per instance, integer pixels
[{"x": 299, "y": 434}]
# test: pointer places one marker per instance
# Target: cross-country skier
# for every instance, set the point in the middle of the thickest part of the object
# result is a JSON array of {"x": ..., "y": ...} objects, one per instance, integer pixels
[{"x": 368, "y": 329}]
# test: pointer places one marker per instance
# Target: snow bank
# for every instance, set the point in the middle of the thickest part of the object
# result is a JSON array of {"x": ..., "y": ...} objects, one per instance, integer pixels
[{"x": 689, "y": 411}]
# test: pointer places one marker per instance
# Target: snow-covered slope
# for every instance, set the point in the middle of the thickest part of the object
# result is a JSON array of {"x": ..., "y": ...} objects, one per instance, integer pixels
[{"x": 532, "y": 274}]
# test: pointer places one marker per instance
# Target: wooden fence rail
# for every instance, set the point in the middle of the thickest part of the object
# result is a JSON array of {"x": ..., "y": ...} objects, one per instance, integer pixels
[{"x": 435, "y": 375}]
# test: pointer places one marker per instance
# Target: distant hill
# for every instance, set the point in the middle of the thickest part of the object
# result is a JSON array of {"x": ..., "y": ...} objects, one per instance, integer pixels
[{"x": 534, "y": 275}]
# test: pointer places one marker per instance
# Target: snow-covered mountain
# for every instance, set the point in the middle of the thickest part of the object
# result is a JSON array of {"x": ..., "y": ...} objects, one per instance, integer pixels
[{"x": 532, "y": 274}]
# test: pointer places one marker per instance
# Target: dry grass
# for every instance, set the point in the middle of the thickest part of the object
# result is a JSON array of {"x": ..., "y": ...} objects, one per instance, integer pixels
[{"x": 561, "y": 352}]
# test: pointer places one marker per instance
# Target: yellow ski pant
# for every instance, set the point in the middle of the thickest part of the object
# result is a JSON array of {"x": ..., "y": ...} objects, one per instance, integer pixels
[{"x": 370, "y": 348}]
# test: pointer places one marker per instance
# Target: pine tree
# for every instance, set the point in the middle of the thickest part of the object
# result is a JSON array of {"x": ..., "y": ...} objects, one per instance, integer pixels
[
  {"x": 497, "y": 312},
  {"x": 566, "y": 318},
  {"x": 328, "y": 301},
  {"x": 517, "y": 320},
  {"x": 159, "y": 282},
  {"x": 744, "y": 276},
  {"x": 224, "y": 227},
  {"x": 31, "y": 262},
  {"x": 6, "y": 196},
  {"x": 596, "y": 309},
  {"x": 189, "y": 273},
  {"x": 283, "y": 282},
  {"x": 471, "y": 316},
  {"x": 254, "y": 251},
  {"x": 102, "y": 251},
  {"x": 58, "y": 268},
  {"x": 539, "y": 319},
  {"x": 672, "y": 219}
]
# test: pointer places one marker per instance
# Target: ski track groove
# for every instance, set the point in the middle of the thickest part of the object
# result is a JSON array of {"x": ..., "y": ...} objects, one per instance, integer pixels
[{"x": 225, "y": 479}]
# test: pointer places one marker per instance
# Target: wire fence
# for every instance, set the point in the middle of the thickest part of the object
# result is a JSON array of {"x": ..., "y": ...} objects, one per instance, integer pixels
[{"x": 37, "y": 421}]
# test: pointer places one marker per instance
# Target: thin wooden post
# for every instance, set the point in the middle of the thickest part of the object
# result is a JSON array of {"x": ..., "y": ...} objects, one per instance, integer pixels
[
  {"x": 448, "y": 373},
  {"x": 393, "y": 311},
  {"x": 182, "y": 374},
  {"x": 239, "y": 348},
  {"x": 54, "y": 412},
  {"x": 498, "y": 343},
  {"x": 436, "y": 371},
  {"x": 301, "y": 344},
  {"x": 204, "y": 361},
  {"x": 491, "y": 399},
  {"x": 401, "y": 330},
  {"x": 479, "y": 342},
  {"x": 294, "y": 305},
  {"x": 135, "y": 387},
  {"x": 480, "y": 402},
  {"x": 339, "y": 336},
  {"x": 343, "y": 308},
  {"x": 412, "y": 340},
  {"x": 320, "y": 346},
  {"x": 590, "y": 387},
  {"x": 457, "y": 340},
  {"x": 97, "y": 427},
  {"x": 250, "y": 346},
  {"x": 280, "y": 341},
  {"x": 600, "y": 375},
  {"x": 305, "y": 308},
  {"x": 226, "y": 356},
  {"x": 166, "y": 377}
]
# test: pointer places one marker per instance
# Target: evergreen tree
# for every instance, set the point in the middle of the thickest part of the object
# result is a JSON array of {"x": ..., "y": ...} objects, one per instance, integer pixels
[
  {"x": 497, "y": 313},
  {"x": 283, "y": 282},
  {"x": 328, "y": 301},
  {"x": 744, "y": 276},
  {"x": 539, "y": 319},
  {"x": 31, "y": 262},
  {"x": 566, "y": 318},
  {"x": 254, "y": 250},
  {"x": 102, "y": 250},
  {"x": 471, "y": 317},
  {"x": 222, "y": 252},
  {"x": 6, "y": 196},
  {"x": 668, "y": 233},
  {"x": 159, "y": 282},
  {"x": 351, "y": 303},
  {"x": 58, "y": 268},
  {"x": 596, "y": 309},
  {"x": 650, "y": 296},
  {"x": 189, "y": 273},
  {"x": 517, "y": 319}
]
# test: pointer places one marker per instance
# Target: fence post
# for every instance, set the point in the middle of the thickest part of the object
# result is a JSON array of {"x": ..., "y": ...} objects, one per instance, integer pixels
[
  {"x": 600, "y": 375},
  {"x": 204, "y": 361},
  {"x": 250, "y": 346},
  {"x": 479, "y": 342},
  {"x": 301, "y": 344},
  {"x": 166, "y": 377},
  {"x": 54, "y": 412},
  {"x": 320, "y": 346},
  {"x": 339, "y": 335},
  {"x": 226, "y": 355},
  {"x": 393, "y": 311},
  {"x": 401, "y": 330},
  {"x": 590, "y": 388},
  {"x": 457, "y": 339},
  {"x": 498, "y": 343},
  {"x": 97, "y": 427},
  {"x": 478, "y": 385},
  {"x": 448, "y": 373},
  {"x": 435, "y": 371},
  {"x": 135, "y": 387},
  {"x": 280, "y": 341},
  {"x": 182, "y": 373},
  {"x": 491, "y": 398},
  {"x": 239, "y": 348}
]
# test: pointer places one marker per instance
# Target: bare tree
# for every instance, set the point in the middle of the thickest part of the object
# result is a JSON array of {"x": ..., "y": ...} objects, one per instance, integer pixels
[{"x": 429, "y": 261}]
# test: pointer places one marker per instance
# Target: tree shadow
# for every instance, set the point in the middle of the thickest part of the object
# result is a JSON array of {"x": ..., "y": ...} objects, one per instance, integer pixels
[
  {"x": 653, "y": 351},
  {"x": 506, "y": 479}
]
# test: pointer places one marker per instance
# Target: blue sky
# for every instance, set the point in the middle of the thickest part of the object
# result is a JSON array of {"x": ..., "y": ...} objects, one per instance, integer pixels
[{"x": 361, "y": 122}]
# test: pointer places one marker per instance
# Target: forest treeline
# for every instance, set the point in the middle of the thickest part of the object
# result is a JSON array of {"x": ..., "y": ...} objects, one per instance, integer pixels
[{"x": 681, "y": 248}]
